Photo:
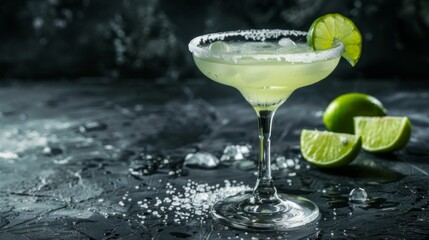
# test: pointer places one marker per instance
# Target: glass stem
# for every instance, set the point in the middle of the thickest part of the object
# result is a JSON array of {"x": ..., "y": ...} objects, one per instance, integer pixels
[{"x": 264, "y": 191}]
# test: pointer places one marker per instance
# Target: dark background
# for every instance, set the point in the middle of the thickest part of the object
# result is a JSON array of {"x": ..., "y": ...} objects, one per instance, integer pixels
[{"x": 51, "y": 39}]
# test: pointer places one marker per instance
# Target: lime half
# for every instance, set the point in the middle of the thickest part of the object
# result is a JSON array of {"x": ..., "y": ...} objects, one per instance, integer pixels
[
  {"x": 328, "y": 149},
  {"x": 383, "y": 134},
  {"x": 335, "y": 27}
]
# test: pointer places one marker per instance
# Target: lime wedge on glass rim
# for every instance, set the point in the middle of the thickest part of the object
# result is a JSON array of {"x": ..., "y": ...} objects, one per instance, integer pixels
[
  {"x": 335, "y": 27},
  {"x": 328, "y": 149},
  {"x": 383, "y": 134}
]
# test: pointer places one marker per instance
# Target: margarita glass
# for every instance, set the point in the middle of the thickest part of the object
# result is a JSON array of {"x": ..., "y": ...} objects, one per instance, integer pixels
[{"x": 266, "y": 66}]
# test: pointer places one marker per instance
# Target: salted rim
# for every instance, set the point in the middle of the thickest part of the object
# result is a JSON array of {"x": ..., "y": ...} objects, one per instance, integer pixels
[{"x": 261, "y": 35}]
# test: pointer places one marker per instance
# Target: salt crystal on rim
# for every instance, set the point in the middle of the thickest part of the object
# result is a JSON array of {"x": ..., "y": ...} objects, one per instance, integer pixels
[{"x": 196, "y": 46}]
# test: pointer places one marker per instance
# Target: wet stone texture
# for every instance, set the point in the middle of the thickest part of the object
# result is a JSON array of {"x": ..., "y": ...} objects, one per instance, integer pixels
[{"x": 106, "y": 160}]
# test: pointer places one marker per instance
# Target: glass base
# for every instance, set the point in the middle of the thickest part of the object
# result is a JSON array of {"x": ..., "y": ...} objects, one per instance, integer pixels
[{"x": 289, "y": 212}]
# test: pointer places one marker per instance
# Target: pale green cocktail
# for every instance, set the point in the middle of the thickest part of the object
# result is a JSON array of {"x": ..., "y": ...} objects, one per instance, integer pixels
[
  {"x": 265, "y": 82},
  {"x": 266, "y": 66}
]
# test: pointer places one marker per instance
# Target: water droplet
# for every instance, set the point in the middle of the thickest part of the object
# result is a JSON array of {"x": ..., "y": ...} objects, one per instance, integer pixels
[
  {"x": 52, "y": 151},
  {"x": 358, "y": 195},
  {"x": 109, "y": 147},
  {"x": 344, "y": 140}
]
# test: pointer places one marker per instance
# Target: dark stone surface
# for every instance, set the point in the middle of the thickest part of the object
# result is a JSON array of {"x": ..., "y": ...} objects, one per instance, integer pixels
[
  {"x": 148, "y": 38},
  {"x": 58, "y": 182}
]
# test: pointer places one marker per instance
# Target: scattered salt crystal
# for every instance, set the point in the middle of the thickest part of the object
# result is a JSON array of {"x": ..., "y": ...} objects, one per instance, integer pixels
[
  {"x": 201, "y": 197},
  {"x": 198, "y": 46},
  {"x": 194, "y": 201}
]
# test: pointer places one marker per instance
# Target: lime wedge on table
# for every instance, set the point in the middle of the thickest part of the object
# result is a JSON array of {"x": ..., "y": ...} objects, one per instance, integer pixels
[
  {"x": 383, "y": 134},
  {"x": 335, "y": 27},
  {"x": 328, "y": 149}
]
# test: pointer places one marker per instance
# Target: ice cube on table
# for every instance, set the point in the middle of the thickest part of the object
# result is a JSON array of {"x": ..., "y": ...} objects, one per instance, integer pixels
[
  {"x": 235, "y": 152},
  {"x": 201, "y": 160},
  {"x": 219, "y": 46}
]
